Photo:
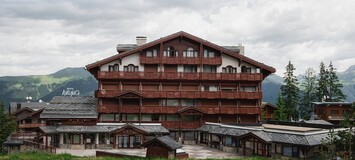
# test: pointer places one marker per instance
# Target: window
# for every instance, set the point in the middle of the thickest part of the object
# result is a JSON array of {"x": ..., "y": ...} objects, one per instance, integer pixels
[
  {"x": 76, "y": 139},
  {"x": 114, "y": 67},
  {"x": 248, "y": 89},
  {"x": 229, "y": 69},
  {"x": 190, "y": 68},
  {"x": 246, "y": 70},
  {"x": 153, "y": 53},
  {"x": 208, "y": 54},
  {"x": 170, "y": 102},
  {"x": 278, "y": 148},
  {"x": 107, "y": 117},
  {"x": 172, "y": 117},
  {"x": 130, "y": 68},
  {"x": 149, "y": 54},
  {"x": 104, "y": 138},
  {"x": 229, "y": 141},
  {"x": 66, "y": 138},
  {"x": 190, "y": 53},
  {"x": 209, "y": 88},
  {"x": 334, "y": 112},
  {"x": 290, "y": 151},
  {"x": 132, "y": 117},
  {"x": 209, "y": 69},
  {"x": 146, "y": 117},
  {"x": 189, "y": 102},
  {"x": 171, "y": 52},
  {"x": 155, "y": 117}
]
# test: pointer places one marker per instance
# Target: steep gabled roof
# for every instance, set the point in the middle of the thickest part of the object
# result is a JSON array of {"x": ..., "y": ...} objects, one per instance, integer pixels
[
  {"x": 165, "y": 141},
  {"x": 188, "y": 36}
]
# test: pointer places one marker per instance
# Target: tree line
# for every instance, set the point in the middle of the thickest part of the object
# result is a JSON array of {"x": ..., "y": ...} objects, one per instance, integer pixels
[{"x": 295, "y": 99}]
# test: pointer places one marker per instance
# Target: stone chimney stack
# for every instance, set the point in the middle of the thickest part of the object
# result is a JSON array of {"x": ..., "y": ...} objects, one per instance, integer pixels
[
  {"x": 141, "y": 40},
  {"x": 241, "y": 48}
]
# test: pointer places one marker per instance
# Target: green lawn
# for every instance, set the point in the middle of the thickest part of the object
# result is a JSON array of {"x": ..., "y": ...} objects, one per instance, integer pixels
[{"x": 47, "y": 156}]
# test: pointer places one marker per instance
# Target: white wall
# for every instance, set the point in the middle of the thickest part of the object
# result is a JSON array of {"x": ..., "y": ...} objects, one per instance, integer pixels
[
  {"x": 105, "y": 66},
  {"x": 253, "y": 68},
  {"x": 132, "y": 59},
  {"x": 228, "y": 60}
]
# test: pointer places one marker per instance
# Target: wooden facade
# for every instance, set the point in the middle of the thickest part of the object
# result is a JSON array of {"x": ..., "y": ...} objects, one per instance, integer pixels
[
  {"x": 155, "y": 81},
  {"x": 331, "y": 111}
]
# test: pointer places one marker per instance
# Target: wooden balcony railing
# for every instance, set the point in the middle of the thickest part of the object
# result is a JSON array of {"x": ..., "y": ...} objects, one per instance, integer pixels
[
  {"x": 24, "y": 135},
  {"x": 186, "y": 94},
  {"x": 174, "y": 109},
  {"x": 335, "y": 117},
  {"x": 182, "y": 124},
  {"x": 31, "y": 125},
  {"x": 180, "y": 76},
  {"x": 179, "y": 60}
]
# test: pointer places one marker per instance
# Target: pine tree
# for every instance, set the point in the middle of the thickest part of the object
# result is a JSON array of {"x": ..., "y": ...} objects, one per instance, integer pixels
[
  {"x": 334, "y": 92},
  {"x": 7, "y": 125},
  {"x": 322, "y": 83},
  {"x": 289, "y": 92},
  {"x": 280, "y": 113},
  {"x": 309, "y": 93},
  {"x": 328, "y": 88}
]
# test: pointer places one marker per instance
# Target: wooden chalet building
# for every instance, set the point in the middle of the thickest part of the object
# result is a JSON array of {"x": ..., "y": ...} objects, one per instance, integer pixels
[
  {"x": 333, "y": 112},
  {"x": 180, "y": 81}
]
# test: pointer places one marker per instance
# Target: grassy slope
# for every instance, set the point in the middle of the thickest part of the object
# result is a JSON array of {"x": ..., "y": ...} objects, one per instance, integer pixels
[{"x": 46, "y": 156}]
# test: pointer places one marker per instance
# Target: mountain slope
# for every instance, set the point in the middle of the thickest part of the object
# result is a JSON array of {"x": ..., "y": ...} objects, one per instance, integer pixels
[
  {"x": 16, "y": 88},
  {"x": 271, "y": 85}
]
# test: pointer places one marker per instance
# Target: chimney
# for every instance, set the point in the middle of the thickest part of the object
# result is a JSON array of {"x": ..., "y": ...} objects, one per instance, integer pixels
[
  {"x": 141, "y": 40},
  {"x": 241, "y": 48}
]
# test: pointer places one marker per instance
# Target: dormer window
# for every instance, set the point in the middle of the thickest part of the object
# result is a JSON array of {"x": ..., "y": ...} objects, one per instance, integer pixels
[
  {"x": 229, "y": 69},
  {"x": 190, "y": 68},
  {"x": 190, "y": 52},
  {"x": 246, "y": 69},
  {"x": 208, "y": 54},
  {"x": 113, "y": 68},
  {"x": 130, "y": 68},
  {"x": 152, "y": 53},
  {"x": 209, "y": 69},
  {"x": 170, "y": 52}
]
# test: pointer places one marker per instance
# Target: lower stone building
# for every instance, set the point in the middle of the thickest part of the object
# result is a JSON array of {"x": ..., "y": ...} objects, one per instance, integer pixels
[
  {"x": 266, "y": 140},
  {"x": 101, "y": 136}
]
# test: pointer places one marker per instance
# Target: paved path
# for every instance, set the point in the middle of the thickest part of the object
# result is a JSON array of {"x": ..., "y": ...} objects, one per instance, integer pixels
[{"x": 194, "y": 151}]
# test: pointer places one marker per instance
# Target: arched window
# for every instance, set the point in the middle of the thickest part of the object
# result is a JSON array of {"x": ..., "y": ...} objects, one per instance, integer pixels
[
  {"x": 172, "y": 52},
  {"x": 229, "y": 69},
  {"x": 246, "y": 70},
  {"x": 115, "y": 67},
  {"x": 130, "y": 68},
  {"x": 190, "y": 52}
]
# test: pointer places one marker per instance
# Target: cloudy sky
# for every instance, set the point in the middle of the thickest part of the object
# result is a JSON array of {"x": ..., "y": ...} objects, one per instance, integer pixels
[{"x": 41, "y": 37}]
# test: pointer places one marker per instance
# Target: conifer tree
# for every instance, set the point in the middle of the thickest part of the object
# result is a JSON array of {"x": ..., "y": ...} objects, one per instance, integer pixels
[
  {"x": 334, "y": 92},
  {"x": 309, "y": 94},
  {"x": 329, "y": 87},
  {"x": 322, "y": 83},
  {"x": 280, "y": 113},
  {"x": 7, "y": 125},
  {"x": 289, "y": 92}
]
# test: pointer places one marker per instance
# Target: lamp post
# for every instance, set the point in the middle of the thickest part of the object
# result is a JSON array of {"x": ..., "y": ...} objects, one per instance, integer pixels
[{"x": 29, "y": 98}]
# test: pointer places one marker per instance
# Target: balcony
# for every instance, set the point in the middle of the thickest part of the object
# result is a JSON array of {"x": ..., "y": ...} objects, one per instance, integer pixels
[
  {"x": 212, "y": 61},
  {"x": 174, "y": 109},
  {"x": 182, "y": 124},
  {"x": 105, "y": 75},
  {"x": 31, "y": 125},
  {"x": 179, "y": 60},
  {"x": 335, "y": 118},
  {"x": 186, "y": 94},
  {"x": 149, "y": 60}
]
